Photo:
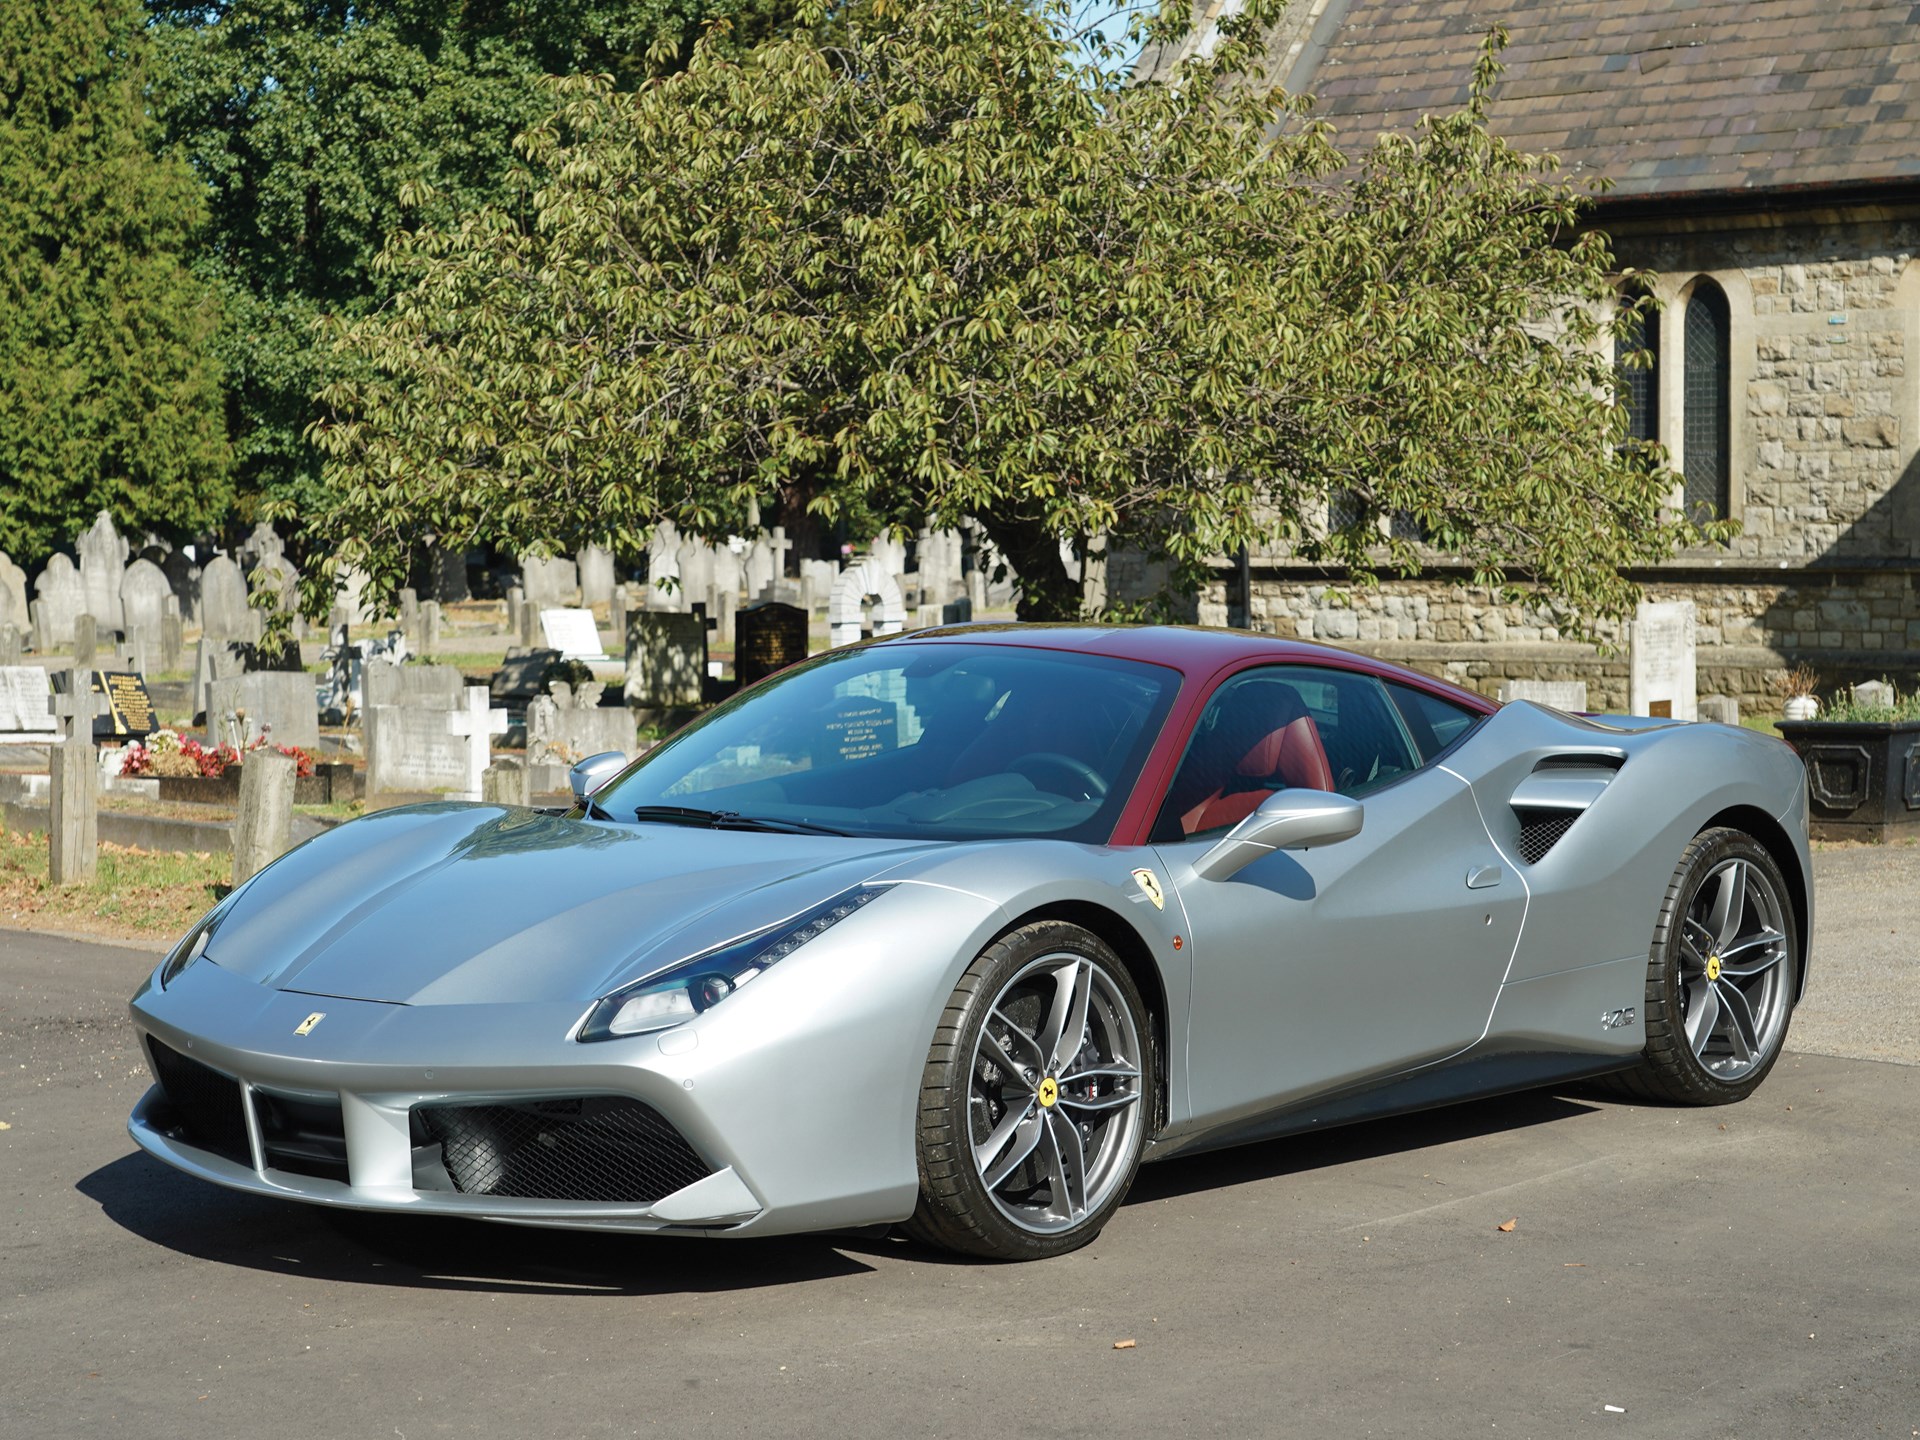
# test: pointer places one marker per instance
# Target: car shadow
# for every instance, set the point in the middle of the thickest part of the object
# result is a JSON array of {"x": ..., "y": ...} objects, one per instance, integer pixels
[
  {"x": 1351, "y": 1143},
  {"x": 208, "y": 1222}
]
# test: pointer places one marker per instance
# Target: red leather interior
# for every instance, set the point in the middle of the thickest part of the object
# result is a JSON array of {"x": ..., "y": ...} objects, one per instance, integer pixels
[{"x": 1286, "y": 755}]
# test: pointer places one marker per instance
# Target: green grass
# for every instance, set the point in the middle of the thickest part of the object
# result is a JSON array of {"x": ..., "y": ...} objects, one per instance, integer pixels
[{"x": 134, "y": 894}]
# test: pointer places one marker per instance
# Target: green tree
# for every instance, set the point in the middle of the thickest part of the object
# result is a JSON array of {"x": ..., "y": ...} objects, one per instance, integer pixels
[
  {"x": 318, "y": 126},
  {"x": 917, "y": 259},
  {"x": 109, "y": 393}
]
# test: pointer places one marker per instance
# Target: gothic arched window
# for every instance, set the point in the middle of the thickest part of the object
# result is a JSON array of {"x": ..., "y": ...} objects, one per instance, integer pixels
[
  {"x": 1708, "y": 407},
  {"x": 1638, "y": 388}
]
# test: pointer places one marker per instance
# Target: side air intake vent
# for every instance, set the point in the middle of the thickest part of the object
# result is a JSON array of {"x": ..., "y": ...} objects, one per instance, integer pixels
[{"x": 1558, "y": 792}]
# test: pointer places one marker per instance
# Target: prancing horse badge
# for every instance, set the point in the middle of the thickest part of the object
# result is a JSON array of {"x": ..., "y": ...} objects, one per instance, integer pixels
[
  {"x": 305, "y": 1027},
  {"x": 1150, "y": 886}
]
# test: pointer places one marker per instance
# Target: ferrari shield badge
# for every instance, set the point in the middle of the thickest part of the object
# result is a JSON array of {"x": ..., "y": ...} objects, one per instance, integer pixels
[
  {"x": 1149, "y": 884},
  {"x": 305, "y": 1027}
]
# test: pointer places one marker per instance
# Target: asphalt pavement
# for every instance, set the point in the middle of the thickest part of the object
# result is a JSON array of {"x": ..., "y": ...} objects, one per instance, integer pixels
[{"x": 1737, "y": 1272}]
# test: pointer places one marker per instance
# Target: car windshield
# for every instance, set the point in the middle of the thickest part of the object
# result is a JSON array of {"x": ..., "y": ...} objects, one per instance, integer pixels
[{"x": 929, "y": 741}]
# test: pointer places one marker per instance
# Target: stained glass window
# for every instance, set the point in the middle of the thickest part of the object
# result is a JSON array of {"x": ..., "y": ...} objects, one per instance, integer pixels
[{"x": 1709, "y": 408}]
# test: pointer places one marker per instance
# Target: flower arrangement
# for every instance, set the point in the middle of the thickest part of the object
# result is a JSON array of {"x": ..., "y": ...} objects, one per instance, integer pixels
[{"x": 169, "y": 753}]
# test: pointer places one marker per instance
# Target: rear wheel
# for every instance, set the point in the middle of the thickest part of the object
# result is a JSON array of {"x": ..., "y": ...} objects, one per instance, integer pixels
[
  {"x": 1722, "y": 974},
  {"x": 1033, "y": 1109}
]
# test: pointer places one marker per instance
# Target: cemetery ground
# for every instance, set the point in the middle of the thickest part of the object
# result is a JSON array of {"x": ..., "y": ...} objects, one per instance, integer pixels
[{"x": 1748, "y": 1271}]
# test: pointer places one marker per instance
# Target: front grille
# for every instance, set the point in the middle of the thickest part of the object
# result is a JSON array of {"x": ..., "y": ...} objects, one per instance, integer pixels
[
  {"x": 1541, "y": 831},
  {"x": 595, "y": 1147},
  {"x": 205, "y": 1103}
]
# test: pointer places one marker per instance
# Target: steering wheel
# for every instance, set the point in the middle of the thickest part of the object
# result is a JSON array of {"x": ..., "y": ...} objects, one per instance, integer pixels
[{"x": 1082, "y": 773}]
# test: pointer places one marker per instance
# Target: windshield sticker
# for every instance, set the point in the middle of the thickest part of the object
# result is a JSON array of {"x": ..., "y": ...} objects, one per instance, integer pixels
[{"x": 860, "y": 730}]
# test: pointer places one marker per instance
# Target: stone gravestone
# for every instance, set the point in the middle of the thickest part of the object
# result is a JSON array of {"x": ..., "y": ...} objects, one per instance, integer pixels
[
  {"x": 214, "y": 660},
  {"x": 103, "y": 554},
  {"x": 1567, "y": 695},
  {"x": 284, "y": 700},
  {"x": 10, "y": 645},
  {"x": 595, "y": 566},
  {"x": 548, "y": 583},
  {"x": 522, "y": 676},
  {"x": 663, "y": 565},
  {"x": 505, "y": 783},
  {"x": 263, "y": 825},
  {"x": 768, "y": 638},
  {"x": 409, "y": 750},
  {"x": 1660, "y": 662},
  {"x": 1722, "y": 709},
  {"x": 856, "y": 585},
  {"x": 570, "y": 724},
  {"x": 424, "y": 687},
  {"x": 573, "y": 633},
  {"x": 476, "y": 722},
  {"x": 59, "y": 598},
  {"x": 957, "y": 612},
  {"x": 73, "y": 827},
  {"x": 24, "y": 712},
  {"x": 666, "y": 660},
  {"x": 1874, "y": 692},
  {"x": 13, "y": 594},
  {"x": 130, "y": 713},
  {"x": 86, "y": 640},
  {"x": 144, "y": 594},
  {"x": 224, "y": 612}
]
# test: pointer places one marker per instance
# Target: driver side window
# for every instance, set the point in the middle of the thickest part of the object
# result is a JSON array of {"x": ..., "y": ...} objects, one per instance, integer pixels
[{"x": 1283, "y": 727}]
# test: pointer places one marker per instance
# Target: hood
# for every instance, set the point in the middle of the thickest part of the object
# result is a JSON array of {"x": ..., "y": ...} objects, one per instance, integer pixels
[{"x": 473, "y": 904}]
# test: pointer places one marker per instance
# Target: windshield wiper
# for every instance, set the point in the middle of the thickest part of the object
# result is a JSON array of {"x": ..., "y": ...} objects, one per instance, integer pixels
[{"x": 730, "y": 820}]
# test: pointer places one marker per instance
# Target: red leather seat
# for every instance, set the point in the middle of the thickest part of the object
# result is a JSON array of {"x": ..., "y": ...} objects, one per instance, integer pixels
[{"x": 1285, "y": 753}]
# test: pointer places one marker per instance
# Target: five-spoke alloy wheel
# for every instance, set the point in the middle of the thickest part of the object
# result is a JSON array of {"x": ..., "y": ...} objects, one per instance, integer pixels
[
  {"x": 1722, "y": 975},
  {"x": 1037, "y": 1097}
]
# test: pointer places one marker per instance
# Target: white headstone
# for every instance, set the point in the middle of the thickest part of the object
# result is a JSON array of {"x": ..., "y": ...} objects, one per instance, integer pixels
[
  {"x": 23, "y": 702},
  {"x": 1661, "y": 676},
  {"x": 1567, "y": 695},
  {"x": 596, "y": 575},
  {"x": 476, "y": 722},
  {"x": 61, "y": 598},
  {"x": 666, "y": 660},
  {"x": 102, "y": 555},
  {"x": 549, "y": 582},
  {"x": 410, "y": 749},
  {"x": 573, "y": 633},
  {"x": 283, "y": 703},
  {"x": 13, "y": 593}
]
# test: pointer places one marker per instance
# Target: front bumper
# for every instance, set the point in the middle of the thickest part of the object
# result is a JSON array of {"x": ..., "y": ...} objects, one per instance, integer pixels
[{"x": 796, "y": 1096}]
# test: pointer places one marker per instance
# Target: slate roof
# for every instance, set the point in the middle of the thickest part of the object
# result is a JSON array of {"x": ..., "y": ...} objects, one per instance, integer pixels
[{"x": 1666, "y": 97}]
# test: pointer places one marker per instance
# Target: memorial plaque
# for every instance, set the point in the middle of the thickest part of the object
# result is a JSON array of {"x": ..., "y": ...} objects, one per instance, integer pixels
[
  {"x": 768, "y": 638},
  {"x": 1661, "y": 676},
  {"x": 573, "y": 633},
  {"x": 129, "y": 706},
  {"x": 858, "y": 728}
]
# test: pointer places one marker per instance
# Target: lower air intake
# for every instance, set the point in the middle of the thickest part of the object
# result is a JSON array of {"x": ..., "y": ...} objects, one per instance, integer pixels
[
  {"x": 205, "y": 1103},
  {"x": 596, "y": 1148}
]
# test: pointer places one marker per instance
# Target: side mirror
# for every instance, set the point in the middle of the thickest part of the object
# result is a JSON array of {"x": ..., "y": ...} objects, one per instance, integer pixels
[
  {"x": 590, "y": 774},
  {"x": 1289, "y": 820}
]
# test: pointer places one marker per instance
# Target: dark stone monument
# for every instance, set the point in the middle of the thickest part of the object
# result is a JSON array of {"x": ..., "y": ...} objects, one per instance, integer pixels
[{"x": 767, "y": 638}]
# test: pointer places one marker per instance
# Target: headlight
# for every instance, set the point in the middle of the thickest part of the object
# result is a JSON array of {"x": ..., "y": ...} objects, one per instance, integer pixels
[
  {"x": 192, "y": 945},
  {"x": 678, "y": 993}
]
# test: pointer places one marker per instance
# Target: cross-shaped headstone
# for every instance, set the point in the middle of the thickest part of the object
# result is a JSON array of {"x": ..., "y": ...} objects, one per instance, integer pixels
[
  {"x": 779, "y": 544},
  {"x": 476, "y": 723},
  {"x": 84, "y": 704}
]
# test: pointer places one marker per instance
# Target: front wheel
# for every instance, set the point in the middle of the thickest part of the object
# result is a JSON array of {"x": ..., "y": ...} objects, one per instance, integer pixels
[
  {"x": 1722, "y": 974},
  {"x": 1035, "y": 1099}
]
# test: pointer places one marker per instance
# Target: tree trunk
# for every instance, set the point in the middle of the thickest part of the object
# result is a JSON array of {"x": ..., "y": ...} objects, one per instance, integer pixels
[{"x": 1047, "y": 592}]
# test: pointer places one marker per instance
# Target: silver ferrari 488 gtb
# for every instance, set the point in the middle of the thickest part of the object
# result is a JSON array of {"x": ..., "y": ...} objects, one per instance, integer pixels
[{"x": 955, "y": 929}]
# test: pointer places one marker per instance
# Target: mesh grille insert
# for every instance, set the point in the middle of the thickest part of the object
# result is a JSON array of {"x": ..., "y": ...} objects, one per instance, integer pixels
[
  {"x": 206, "y": 1103},
  {"x": 596, "y": 1148},
  {"x": 1540, "y": 832}
]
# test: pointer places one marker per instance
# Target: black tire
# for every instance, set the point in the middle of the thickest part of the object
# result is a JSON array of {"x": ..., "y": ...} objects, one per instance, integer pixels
[
  {"x": 968, "y": 1097},
  {"x": 1686, "y": 975}
]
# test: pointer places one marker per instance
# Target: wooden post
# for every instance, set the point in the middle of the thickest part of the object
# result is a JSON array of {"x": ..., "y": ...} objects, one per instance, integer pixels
[
  {"x": 264, "y": 824},
  {"x": 73, "y": 824},
  {"x": 504, "y": 783}
]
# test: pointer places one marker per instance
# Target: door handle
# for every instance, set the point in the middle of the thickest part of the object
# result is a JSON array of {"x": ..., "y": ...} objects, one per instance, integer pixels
[{"x": 1480, "y": 877}]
